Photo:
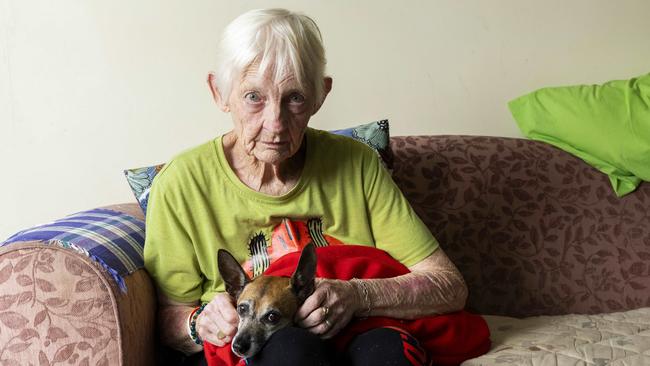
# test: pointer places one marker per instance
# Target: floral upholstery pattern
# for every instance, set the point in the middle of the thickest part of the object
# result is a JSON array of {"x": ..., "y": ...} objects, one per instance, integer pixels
[
  {"x": 533, "y": 229},
  {"x": 52, "y": 317}
]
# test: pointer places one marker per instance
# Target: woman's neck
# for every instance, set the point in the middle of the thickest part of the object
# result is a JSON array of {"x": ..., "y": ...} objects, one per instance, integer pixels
[{"x": 271, "y": 179}]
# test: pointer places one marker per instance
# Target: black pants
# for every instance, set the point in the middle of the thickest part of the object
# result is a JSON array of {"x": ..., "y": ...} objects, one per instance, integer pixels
[
  {"x": 166, "y": 356},
  {"x": 378, "y": 347},
  {"x": 297, "y": 346}
]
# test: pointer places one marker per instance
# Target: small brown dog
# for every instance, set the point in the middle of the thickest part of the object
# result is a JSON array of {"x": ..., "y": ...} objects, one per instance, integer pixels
[{"x": 265, "y": 304}]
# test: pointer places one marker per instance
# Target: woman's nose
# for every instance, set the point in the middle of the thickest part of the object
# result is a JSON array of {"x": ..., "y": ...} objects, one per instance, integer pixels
[{"x": 274, "y": 117}]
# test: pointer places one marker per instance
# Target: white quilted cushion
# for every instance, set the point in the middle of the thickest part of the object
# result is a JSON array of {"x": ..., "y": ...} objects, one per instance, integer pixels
[{"x": 616, "y": 339}]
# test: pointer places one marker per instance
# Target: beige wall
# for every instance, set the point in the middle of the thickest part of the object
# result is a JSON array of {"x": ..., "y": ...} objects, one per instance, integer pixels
[{"x": 89, "y": 87}]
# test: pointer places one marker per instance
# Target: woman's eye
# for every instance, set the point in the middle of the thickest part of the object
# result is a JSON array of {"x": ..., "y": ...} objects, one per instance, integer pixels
[
  {"x": 252, "y": 97},
  {"x": 296, "y": 98}
]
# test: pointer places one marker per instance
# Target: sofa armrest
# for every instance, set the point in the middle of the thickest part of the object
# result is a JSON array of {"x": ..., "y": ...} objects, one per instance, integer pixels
[{"x": 59, "y": 305}]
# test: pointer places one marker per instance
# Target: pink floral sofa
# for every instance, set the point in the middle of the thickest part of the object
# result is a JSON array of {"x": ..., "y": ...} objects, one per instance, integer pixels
[{"x": 555, "y": 261}]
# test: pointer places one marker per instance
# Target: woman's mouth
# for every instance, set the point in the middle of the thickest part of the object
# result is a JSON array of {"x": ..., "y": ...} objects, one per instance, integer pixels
[{"x": 274, "y": 144}]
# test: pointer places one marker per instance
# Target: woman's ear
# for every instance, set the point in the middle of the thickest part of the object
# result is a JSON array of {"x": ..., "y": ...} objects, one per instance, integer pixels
[
  {"x": 327, "y": 86},
  {"x": 212, "y": 84}
]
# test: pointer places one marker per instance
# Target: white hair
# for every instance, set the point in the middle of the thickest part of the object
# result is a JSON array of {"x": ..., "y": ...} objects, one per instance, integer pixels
[{"x": 275, "y": 40}]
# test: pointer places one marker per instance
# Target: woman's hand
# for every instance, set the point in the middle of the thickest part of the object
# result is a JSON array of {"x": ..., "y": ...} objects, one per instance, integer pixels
[
  {"x": 329, "y": 308},
  {"x": 218, "y": 321}
]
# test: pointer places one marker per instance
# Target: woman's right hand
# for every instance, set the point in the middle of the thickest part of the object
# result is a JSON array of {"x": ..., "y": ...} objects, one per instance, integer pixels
[{"x": 218, "y": 321}]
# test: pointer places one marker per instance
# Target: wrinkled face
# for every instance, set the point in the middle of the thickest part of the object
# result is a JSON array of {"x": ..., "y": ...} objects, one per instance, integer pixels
[
  {"x": 266, "y": 305},
  {"x": 270, "y": 116}
]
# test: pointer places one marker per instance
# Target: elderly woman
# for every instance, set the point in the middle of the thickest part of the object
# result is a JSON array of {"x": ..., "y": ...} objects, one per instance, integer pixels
[{"x": 272, "y": 170}]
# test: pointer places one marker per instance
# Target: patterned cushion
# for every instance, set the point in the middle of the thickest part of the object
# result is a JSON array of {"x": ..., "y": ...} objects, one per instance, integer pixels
[
  {"x": 140, "y": 180},
  {"x": 374, "y": 134},
  {"x": 110, "y": 238}
]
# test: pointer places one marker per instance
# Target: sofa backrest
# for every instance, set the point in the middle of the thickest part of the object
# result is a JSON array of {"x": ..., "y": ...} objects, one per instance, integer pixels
[{"x": 533, "y": 229}]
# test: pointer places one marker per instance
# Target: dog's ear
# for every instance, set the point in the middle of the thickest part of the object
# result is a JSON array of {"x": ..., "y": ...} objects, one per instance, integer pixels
[
  {"x": 232, "y": 273},
  {"x": 302, "y": 280}
]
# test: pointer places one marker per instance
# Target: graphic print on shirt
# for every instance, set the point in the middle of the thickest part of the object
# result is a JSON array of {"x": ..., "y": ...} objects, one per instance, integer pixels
[
  {"x": 286, "y": 237},
  {"x": 257, "y": 249}
]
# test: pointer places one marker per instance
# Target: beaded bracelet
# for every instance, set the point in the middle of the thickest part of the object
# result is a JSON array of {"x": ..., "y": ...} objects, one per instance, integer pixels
[{"x": 192, "y": 324}]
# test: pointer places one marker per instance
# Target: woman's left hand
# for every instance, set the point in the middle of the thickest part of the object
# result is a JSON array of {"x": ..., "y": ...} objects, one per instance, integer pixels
[{"x": 329, "y": 308}]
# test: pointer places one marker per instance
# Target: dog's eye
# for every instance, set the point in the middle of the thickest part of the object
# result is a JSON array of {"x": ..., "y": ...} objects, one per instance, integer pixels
[
  {"x": 272, "y": 317},
  {"x": 241, "y": 309}
]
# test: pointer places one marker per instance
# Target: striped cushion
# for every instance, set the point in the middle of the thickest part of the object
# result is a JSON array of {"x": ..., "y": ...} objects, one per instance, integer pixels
[{"x": 110, "y": 238}]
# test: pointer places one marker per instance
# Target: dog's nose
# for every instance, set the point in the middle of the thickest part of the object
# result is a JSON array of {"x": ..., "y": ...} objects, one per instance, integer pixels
[{"x": 241, "y": 346}]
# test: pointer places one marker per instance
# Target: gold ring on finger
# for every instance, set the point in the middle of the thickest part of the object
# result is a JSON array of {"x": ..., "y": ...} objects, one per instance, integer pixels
[
  {"x": 326, "y": 310},
  {"x": 327, "y": 322},
  {"x": 220, "y": 335}
]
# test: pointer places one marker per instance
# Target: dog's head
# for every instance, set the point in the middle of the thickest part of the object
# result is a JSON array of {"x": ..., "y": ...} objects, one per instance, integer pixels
[{"x": 266, "y": 303}]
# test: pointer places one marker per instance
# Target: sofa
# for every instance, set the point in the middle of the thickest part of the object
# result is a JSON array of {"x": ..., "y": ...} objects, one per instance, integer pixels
[{"x": 557, "y": 264}]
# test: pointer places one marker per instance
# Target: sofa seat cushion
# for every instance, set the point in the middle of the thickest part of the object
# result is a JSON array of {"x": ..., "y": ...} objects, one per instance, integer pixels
[{"x": 621, "y": 338}]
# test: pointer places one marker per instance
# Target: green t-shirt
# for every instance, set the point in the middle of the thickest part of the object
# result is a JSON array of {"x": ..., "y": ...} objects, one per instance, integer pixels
[{"x": 197, "y": 205}]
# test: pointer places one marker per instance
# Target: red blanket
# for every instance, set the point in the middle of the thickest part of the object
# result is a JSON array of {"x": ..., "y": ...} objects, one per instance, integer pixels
[{"x": 450, "y": 339}]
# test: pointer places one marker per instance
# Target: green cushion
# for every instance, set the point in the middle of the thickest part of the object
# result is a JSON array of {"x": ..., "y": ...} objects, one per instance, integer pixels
[{"x": 607, "y": 125}]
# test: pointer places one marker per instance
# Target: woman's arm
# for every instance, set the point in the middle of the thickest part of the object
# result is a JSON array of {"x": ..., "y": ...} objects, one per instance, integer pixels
[
  {"x": 217, "y": 323},
  {"x": 172, "y": 324},
  {"x": 434, "y": 286}
]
